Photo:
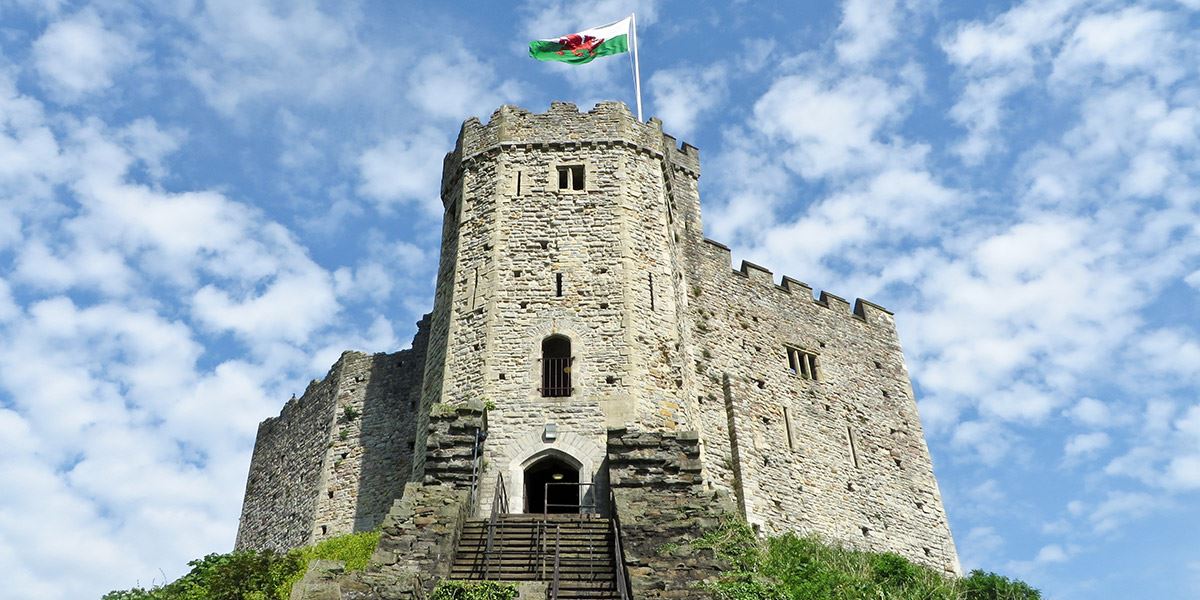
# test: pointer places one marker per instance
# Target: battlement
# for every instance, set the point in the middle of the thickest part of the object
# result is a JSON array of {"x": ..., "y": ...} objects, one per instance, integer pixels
[
  {"x": 564, "y": 126},
  {"x": 864, "y": 310}
]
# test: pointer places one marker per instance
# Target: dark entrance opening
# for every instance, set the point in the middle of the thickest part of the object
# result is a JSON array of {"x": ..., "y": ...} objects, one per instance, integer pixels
[{"x": 555, "y": 498}]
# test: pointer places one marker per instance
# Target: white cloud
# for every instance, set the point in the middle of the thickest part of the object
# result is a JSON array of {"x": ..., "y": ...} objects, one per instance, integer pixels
[
  {"x": 1172, "y": 353},
  {"x": 834, "y": 127},
  {"x": 987, "y": 442},
  {"x": 123, "y": 389},
  {"x": 1131, "y": 39},
  {"x": 1090, "y": 412},
  {"x": 458, "y": 85},
  {"x": 867, "y": 27},
  {"x": 251, "y": 51},
  {"x": 560, "y": 17},
  {"x": 682, "y": 96},
  {"x": 1085, "y": 444},
  {"x": 290, "y": 309},
  {"x": 978, "y": 546},
  {"x": 1119, "y": 508},
  {"x": 403, "y": 170},
  {"x": 999, "y": 59},
  {"x": 1052, "y": 553},
  {"x": 1183, "y": 472},
  {"x": 79, "y": 56}
]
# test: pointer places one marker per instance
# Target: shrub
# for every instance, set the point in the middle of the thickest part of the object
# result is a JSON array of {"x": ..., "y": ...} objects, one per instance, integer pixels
[
  {"x": 355, "y": 549},
  {"x": 791, "y": 567},
  {"x": 981, "y": 585},
  {"x": 242, "y": 575},
  {"x": 474, "y": 590},
  {"x": 254, "y": 575}
]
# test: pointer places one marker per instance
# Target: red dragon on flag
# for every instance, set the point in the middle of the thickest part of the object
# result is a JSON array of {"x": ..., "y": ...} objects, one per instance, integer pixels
[{"x": 579, "y": 44}]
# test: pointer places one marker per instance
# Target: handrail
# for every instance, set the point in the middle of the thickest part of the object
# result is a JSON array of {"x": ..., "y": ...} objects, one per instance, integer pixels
[
  {"x": 618, "y": 549},
  {"x": 557, "y": 553},
  {"x": 480, "y": 435},
  {"x": 499, "y": 506},
  {"x": 579, "y": 506}
]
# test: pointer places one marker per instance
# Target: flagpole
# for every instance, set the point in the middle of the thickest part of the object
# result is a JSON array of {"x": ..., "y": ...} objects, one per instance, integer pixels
[{"x": 637, "y": 74}]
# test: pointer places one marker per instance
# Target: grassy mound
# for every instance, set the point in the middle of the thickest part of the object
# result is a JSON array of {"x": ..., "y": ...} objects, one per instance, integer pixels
[
  {"x": 791, "y": 567},
  {"x": 253, "y": 575}
]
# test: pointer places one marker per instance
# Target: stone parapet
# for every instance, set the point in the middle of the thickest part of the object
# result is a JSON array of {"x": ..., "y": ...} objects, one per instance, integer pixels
[{"x": 662, "y": 504}]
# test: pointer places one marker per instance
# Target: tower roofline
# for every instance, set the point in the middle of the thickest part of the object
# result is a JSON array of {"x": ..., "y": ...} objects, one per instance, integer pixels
[{"x": 609, "y": 122}]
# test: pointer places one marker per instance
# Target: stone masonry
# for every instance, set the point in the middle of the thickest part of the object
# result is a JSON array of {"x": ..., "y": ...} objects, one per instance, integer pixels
[{"x": 707, "y": 390}]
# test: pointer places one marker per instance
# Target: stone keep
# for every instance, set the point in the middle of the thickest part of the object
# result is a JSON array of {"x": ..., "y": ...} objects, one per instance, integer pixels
[{"x": 581, "y": 232}]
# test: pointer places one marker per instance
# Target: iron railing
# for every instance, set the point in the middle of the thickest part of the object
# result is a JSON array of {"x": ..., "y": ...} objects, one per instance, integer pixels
[
  {"x": 556, "y": 377},
  {"x": 618, "y": 550},
  {"x": 579, "y": 506},
  {"x": 554, "y": 583},
  {"x": 499, "y": 507}
]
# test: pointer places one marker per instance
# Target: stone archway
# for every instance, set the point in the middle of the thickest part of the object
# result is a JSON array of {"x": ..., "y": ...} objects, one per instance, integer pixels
[{"x": 584, "y": 454}]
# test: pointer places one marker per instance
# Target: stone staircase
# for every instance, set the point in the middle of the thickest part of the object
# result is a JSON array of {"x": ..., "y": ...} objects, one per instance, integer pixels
[{"x": 523, "y": 549}]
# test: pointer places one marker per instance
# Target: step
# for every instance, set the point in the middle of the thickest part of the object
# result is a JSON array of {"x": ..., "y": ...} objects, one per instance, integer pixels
[{"x": 523, "y": 548}]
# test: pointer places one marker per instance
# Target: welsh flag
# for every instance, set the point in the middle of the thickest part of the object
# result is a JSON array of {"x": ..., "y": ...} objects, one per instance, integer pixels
[{"x": 585, "y": 46}]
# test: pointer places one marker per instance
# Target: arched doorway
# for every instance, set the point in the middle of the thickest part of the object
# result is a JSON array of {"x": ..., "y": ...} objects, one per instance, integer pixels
[{"x": 562, "y": 493}]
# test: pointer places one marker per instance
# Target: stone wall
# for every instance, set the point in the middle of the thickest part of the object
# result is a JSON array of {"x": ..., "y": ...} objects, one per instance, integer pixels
[
  {"x": 286, "y": 470},
  {"x": 662, "y": 504},
  {"x": 842, "y": 456},
  {"x": 335, "y": 458}
]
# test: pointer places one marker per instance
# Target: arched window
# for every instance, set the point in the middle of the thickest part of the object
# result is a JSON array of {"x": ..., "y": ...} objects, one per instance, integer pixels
[{"x": 556, "y": 367}]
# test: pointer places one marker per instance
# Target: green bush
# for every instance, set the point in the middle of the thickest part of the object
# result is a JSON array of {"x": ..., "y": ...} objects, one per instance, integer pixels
[
  {"x": 355, "y": 549},
  {"x": 242, "y": 575},
  {"x": 474, "y": 590},
  {"x": 254, "y": 575},
  {"x": 981, "y": 585},
  {"x": 790, "y": 567}
]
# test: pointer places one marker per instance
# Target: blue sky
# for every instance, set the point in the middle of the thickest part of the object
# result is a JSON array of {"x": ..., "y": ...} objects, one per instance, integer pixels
[{"x": 203, "y": 203}]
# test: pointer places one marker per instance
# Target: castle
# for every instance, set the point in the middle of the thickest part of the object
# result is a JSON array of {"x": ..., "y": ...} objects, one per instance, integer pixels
[{"x": 590, "y": 351}]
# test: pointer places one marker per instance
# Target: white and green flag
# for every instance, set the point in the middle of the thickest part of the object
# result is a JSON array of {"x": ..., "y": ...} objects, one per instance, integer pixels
[{"x": 585, "y": 46}]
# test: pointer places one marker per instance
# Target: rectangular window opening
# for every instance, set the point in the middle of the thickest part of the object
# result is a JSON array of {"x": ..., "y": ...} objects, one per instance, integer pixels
[
  {"x": 558, "y": 284},
  {"x": 802, "y": 363},
  {"x": 520, "y": 183},
  {"x": 570, "y": 177},
  {"x": 651, "y": 291}
]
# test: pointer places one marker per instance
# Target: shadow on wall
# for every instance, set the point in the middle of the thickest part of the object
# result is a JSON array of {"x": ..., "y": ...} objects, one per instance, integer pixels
[{"x": 388, "y": 429}]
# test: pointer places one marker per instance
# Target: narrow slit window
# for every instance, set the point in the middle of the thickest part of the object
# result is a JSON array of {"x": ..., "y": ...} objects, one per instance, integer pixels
[
  {"x": 570, "y": 177},
  {"x": 556, "y": 367},
  {"x": 521, "y": 183},
  {"x": 787, "y": 423},
  {"x": 651, "y": 291},
  {"x": 475, "y": 291},
  {"x": 802, "y": 363},
  {"x": 853, "y": 447},
  {"x": 558, "y": 284}
]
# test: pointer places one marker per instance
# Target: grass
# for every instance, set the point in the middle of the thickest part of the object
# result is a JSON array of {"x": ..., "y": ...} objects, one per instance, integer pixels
[{"x": 790, "y": 567}]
